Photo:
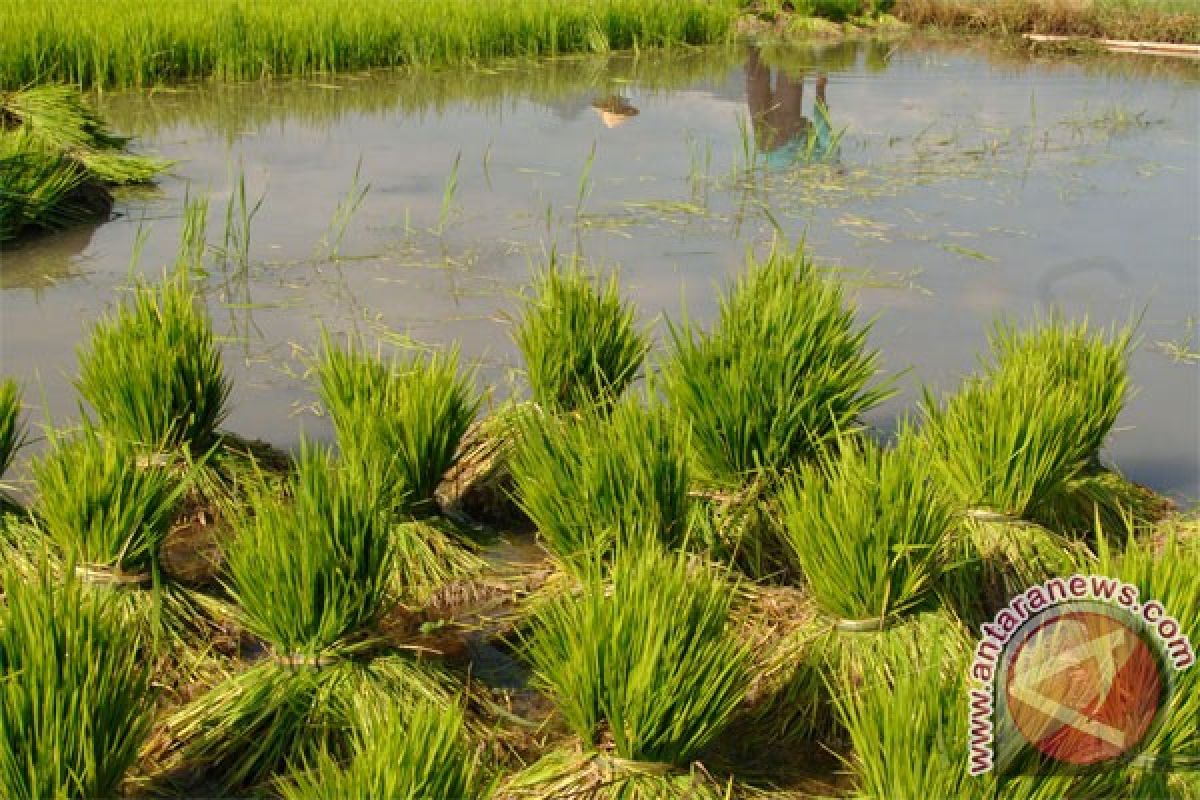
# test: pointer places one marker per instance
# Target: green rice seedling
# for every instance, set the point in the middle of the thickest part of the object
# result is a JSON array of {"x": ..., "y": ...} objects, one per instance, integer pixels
[
  {"x": 901, "y": 696},
  {"x": 646, "y": 662},
  {"x": 107, "y": 514},
  {"x": 1012, "y": 439},
  {"x": 578, "y": 338},
  {"x": 76, "y": 702},
  {"x": 402, "y": 419},
  {"x": 784, "y": 369},
  {"x": 152, "y": 371},
  {"x": 592, "y": 481},
  {"x": 310, "y": 574},
  {"x": 1071, "y": 355},
  {"x": 420, "y": 753},
  {"x": 868, "y": 529},
  {"x": 12, "y": 431},
  {"x": 103, "y": 510}
]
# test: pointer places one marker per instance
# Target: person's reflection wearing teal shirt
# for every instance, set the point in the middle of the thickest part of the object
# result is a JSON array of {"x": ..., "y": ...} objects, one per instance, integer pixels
[{"x": 782, "y": 134}]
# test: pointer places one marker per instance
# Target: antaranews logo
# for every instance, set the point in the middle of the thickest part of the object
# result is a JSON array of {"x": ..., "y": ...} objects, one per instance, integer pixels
[{"x": 1080, "y": 669}]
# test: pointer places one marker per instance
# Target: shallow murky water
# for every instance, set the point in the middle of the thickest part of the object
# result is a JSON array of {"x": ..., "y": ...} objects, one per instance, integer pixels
[{"x": 949, "y": 182}]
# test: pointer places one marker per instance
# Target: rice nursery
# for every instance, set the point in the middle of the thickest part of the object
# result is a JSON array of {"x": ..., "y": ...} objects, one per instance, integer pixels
[{"x": 668, "y": 486}]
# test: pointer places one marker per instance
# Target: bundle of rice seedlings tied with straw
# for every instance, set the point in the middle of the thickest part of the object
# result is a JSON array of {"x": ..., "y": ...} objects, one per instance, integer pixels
[
  {"x": 107, "y": 520},
  {"x": 1011, "y": 446},
  {"x": 58, "y": 162},
  {"x": 902, "y": 703},
  {"x": 867, "y": 528},
  {"x": 76, "y": 702},
  {"x": 153, "y": 373},
  {"x": 310, "y": 574},
  {"x": 401, "y": 421},
  {"x": 12, "y": 434},
  {"x": 646, "y": 673},
  {"x": 1095, "y": 366},
  {"x": 578, "y": 338},
  {"x": 418, "y": 753},
  {"x": 593, "y": 481},
  {"x": 784, "y": 369}
]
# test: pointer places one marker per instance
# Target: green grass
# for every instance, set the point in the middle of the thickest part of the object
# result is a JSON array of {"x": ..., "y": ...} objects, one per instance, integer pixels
[
  {"x": 647, "y": 660},
  {"x": 76, "y": 701},
  {"x": 784, "y": 369},
  {"x": 592, "y": 481},
  {"x": 111, "y": 43},
  {"x": 400, "y": 419},
  {"x": 868, "y": 530},
  {"x": 58, "y": 162},
  {"x": 579, "y": 339},
  {"x": 421, "y": 753},
  {"x": 152, "y": 371},
  {"x": 102, "y": 509}
]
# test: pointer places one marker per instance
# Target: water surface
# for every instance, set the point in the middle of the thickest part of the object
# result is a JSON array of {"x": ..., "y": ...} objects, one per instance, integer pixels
[{"x": 948, "y": 182}]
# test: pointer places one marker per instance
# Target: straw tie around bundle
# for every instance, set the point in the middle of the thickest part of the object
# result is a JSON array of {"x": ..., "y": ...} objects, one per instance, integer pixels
[
  {"x": 990, "y": 515},
  {"x": 317, "y": 661},
  {"x": 104, "y": 575},
  {"x": 615, "y": 768},
  {"x": 872, "y": 624}
]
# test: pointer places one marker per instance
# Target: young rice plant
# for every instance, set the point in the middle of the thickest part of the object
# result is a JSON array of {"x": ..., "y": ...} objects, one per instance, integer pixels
[{"x": 152, "y": 371}]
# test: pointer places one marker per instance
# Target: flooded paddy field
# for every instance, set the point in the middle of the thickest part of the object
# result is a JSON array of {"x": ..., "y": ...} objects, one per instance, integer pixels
[{"x": 949, "y": 183}]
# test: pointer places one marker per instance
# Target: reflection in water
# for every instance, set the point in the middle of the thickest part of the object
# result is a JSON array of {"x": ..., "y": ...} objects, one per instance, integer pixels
[
  {"x": 782, "y": 133},
  {"x": 614, "y": 110},
  {"x": 43, "y": 261}
]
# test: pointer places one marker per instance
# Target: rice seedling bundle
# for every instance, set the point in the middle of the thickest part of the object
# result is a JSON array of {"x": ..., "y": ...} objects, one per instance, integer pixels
[
  {"x": 1012, "y": 439},
  {"x": 594, "y": 481},
  {"x": 403, "y": 420},
  {"x": 310, "y": 574},
  {"x": 782, "y": 372},
  {"x": 152, "y": 370},
  {"x": 75, "y": 695},
  {"x": 579, "y": 339},
  {"x": 1017, "y": 447},
  {"x": 109, "y": 516},
  {"x": 58, "y": 161},
  {"x": 868, "y": 529},
  {"x": 901, "y": 696},
  {"x": 644, "y": 670},
  {"x": 421, "y": 753},
  {"x": 111, "y": 43}
]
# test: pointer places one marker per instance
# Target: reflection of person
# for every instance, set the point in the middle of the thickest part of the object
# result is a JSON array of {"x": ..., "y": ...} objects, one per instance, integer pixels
[
  {"x": 614, "y": 110},
  {"x": 781, "y": 131}
]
